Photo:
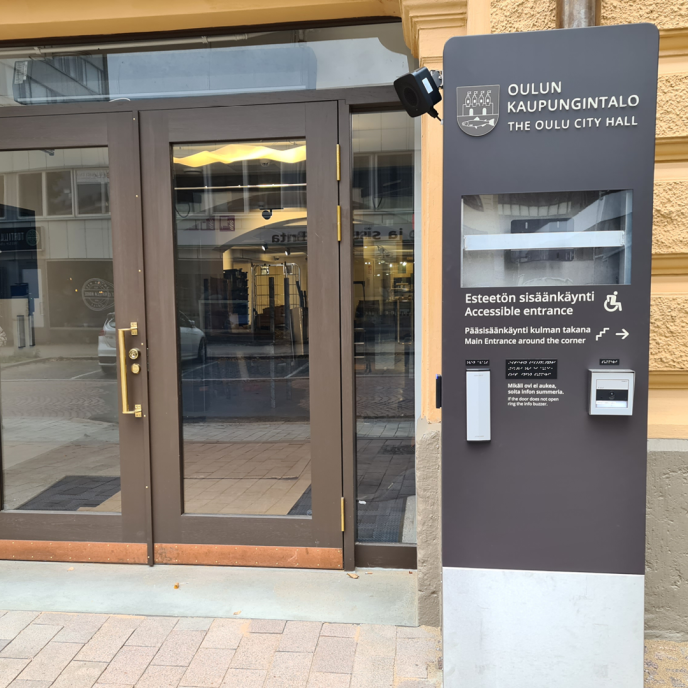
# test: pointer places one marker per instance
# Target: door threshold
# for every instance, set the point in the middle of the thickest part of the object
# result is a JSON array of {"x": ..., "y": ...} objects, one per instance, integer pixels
[{"x": 377, "y": 596}]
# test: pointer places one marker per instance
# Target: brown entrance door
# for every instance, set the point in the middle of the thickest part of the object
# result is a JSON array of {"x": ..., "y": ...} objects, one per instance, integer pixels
[
  {"x": 242, "y": 289},
  {"x": 74, "y": 464}
]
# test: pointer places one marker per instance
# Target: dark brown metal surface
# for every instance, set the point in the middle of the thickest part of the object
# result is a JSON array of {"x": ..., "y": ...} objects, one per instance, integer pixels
[
  {"x": 127, "y": 251},
  {"x": 390, "y": 556},
  {"x": 347, "y": 339},
  {"x": 229, "y": 555}
]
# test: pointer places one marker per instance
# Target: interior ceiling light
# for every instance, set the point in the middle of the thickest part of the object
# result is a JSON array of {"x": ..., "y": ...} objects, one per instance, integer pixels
[{"x": 235, "y": 152}]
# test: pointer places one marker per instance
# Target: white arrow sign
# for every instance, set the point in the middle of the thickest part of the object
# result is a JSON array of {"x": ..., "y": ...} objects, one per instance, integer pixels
[{"x": 623, "y": 334}]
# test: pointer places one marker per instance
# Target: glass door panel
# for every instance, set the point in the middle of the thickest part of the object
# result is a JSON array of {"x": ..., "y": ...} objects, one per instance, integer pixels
[
  {"x": 73, "y": 464},
  {"x": 242, "y": 320},
  {"x": 240, "y": 209},
  {"x": 58, "y": 385}
]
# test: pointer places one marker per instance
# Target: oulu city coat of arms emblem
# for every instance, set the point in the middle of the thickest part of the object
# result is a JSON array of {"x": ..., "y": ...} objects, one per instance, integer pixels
[{"x": 477, "y": 109}]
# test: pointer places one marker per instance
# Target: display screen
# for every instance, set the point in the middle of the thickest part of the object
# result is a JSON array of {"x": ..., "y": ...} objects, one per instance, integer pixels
[{"x": 568, "y": 238}]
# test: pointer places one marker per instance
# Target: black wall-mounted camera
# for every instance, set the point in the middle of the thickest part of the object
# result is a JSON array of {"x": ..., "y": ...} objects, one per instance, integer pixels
[{"x": 419, "y": 92}]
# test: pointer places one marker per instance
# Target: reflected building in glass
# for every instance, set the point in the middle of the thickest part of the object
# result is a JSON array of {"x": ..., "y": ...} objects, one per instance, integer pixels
[{"x": 384, "y": 178}]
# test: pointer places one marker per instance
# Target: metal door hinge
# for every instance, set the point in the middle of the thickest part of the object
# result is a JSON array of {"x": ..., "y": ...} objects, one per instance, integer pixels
[
  {"x": 339, "y": 223},
  {"x": 339, "y": 164},
  {"x": 343, "y": 523}
]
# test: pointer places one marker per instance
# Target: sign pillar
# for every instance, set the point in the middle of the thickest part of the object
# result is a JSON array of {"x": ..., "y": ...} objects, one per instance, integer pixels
[{"x": 547, "y": 235}]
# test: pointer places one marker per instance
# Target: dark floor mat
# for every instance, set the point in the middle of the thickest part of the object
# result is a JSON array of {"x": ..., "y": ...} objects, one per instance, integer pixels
[
  {"x": 73, "y": 492},
  {"x": 303, "y": 505},
  {"x": 381, "y": 521}
]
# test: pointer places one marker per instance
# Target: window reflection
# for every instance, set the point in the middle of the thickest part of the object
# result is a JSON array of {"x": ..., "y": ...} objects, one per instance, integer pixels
[
  {"x": 242, "y": 296},
  {"x": 60, "y": 433},
  {"x": 298, "y": 59},
  {"x": 383, "y": 197}
]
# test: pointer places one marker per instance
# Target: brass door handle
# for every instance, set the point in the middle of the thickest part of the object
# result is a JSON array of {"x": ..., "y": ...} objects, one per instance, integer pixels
[{"x": 123, "y": 370}]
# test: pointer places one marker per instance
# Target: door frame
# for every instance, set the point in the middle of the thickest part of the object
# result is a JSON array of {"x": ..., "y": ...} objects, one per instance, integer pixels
[
  {"x": 350, "y": 100},
  {"x": 232, "y": 539},
  {"x": 124, "y": 537}
]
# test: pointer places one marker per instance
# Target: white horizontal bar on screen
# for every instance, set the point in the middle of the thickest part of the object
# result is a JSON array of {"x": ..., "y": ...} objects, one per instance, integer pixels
[{"x": 543, "y": 240}]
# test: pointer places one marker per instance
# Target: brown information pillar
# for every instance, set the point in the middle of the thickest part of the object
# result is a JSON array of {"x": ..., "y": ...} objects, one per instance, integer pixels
[{"x": 547, "y": 238}]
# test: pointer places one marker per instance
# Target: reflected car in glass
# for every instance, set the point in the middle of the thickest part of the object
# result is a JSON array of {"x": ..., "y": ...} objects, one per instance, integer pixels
[{"x": 191, "y": 340}]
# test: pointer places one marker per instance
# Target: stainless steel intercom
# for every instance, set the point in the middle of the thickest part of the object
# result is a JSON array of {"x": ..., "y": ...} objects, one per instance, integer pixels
[
  {"x": 611, "y": 392},
  {"x": 478, "y": 426}
]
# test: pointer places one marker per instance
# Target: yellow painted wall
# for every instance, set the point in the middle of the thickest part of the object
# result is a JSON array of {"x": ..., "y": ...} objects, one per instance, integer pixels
[{"x": 27, "y": 19}]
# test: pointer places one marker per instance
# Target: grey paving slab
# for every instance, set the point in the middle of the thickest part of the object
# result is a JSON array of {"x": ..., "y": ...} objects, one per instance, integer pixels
[
  {"x": 13, "y": 623},
  {"x": 339, "y": 630},
  {"x": 387, "y": 597},
  {"x": 152, "y": 632},
  {"x": 321, "y": 680},
  {"x": 300, "y": 636},
  {"x": 255, "y": 651},
  {"x": 161, "y": 677},
  {"x": 225, "y": 634},
  {"x": 377, "y": 641},
  {"x": 107, "y": 641},
  {"x": 413, "y": 656},
  {"x": 49, "y": 663},
  {"x": 21, "y": 683},
  {"x": 193, "y": 624},
  {"x": 30, "y": 641},
  {"x": 207, "y": 668},
  {"x": 289, "y": 670},
  {"x": 244, "y": 678},
  {"x": 373, "y": 672},
  {"x": 113, "y": 685},
  {"x": 267, "y": 626},
  {"x": 10, "y": 669},
  {"x": 77, "y": 628},
  {"x": 4, "y": 643},
  {"x": 80, "y": 675},
  {"x": 179, "y": 648},
  {"x": 419, "y": 683},
  {"x": 128, "y": 665},
  {"x": 334, "y": 655}
]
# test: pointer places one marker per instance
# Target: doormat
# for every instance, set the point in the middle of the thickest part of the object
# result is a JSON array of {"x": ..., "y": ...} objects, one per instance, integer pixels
[
  {"x": 73, "y": 492},
  {"x": 377, "y": 521},
  {"x": 381, "y": 521},
  {"x": 303, "y": 505}
]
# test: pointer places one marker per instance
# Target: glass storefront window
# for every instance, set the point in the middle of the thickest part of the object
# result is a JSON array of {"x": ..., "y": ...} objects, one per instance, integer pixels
[
  {"x": 58, "y": 387},
  {"x": 299, "y": 59},
  {"x": 384, "y": 174}
]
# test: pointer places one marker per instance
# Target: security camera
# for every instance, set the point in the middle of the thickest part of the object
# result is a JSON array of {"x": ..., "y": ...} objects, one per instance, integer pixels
[{"x": 419, "y": 92}]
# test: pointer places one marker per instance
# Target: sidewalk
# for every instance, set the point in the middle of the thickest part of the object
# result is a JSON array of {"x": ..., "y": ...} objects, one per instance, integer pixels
[{"x": 38, "y": 650}]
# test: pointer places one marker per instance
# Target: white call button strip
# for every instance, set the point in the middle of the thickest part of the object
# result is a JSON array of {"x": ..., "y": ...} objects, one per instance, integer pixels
[{"x": 543, "y": 240}]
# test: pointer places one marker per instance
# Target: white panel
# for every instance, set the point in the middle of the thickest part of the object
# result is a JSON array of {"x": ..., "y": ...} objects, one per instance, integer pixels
[
  {"x": 540, "y": 629},
  {"x": 543, "y": 240},
  {"x": 478, "y": 426},
  {"x": 77, "y": 239}
]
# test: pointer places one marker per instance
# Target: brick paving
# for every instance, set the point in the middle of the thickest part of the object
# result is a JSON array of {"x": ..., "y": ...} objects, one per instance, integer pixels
[{"x": 103, "y": 651}]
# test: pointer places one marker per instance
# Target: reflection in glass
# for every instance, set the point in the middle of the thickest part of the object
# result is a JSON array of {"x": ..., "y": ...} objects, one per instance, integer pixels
[
  {"x": 60, "y": 435},
  {"x": 242, "y": 299},
  {"x": 293, "y": 59},
  {"x": 547, "y": 239},
  {"x": 383, "y": 197}
]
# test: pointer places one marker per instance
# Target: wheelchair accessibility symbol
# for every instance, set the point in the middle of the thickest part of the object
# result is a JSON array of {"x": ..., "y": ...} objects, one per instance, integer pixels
[{"x": 611, "y": 304}]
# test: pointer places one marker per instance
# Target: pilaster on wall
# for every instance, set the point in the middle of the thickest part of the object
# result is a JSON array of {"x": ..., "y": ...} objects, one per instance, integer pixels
[{"x": 428, "y": 25}]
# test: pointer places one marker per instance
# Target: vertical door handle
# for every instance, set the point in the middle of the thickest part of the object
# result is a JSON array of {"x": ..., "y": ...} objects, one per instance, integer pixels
[{"x": 123, "y": 370}]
